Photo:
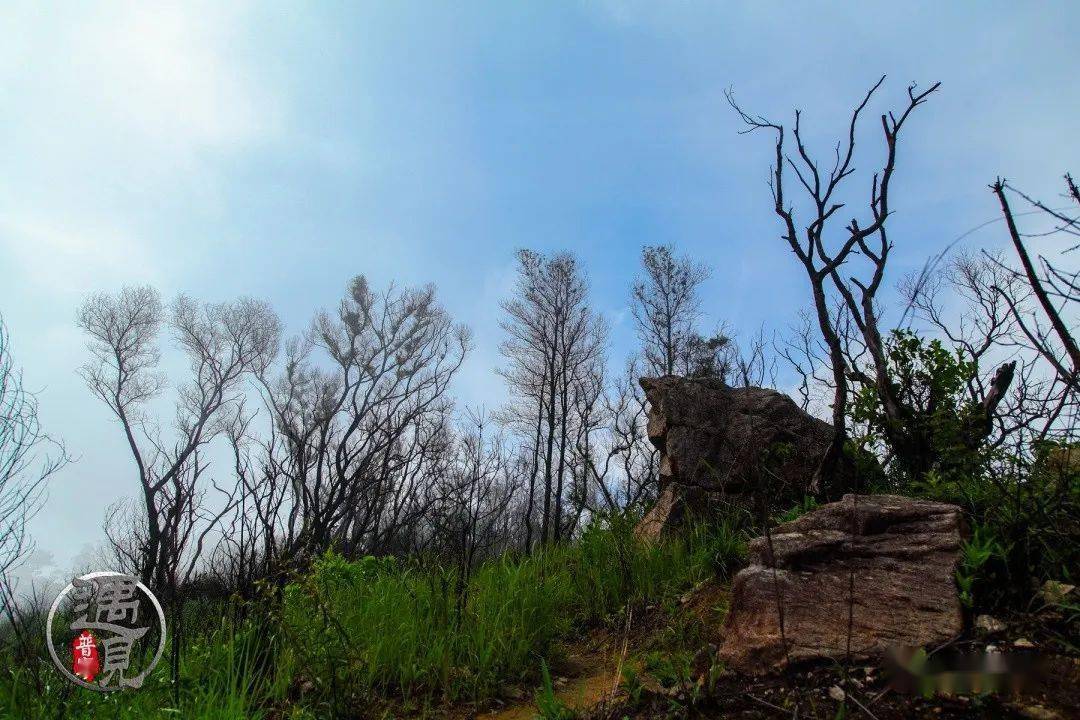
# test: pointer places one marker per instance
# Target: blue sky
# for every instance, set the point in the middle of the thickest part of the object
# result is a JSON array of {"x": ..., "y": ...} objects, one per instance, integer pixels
[{"x": 276, "y": 150}]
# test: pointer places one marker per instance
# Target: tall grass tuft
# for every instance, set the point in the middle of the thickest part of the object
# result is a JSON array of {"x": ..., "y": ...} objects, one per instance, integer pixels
[
  {"x": 382, "y": 628},
  {"x": 219, "y": 681},
  {"x": 352, "y": 633}
]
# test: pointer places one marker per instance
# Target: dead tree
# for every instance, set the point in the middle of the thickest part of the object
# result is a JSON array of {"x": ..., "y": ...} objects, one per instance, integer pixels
[
  {"x": 826, "y": 265},
  {"x": 357, "y": 417},
  {"x": 983, "y": 329},
  {"x": 1055, "y": 289},
  {"x": 1021, "y": 307},
  {"x": 526, "y": 374},
  {"x": 593, "y": 447},
  {"x": 472, "y": 498},
  {"x": 552, "y": 333},
  {"x": 225, "y": 344},
  {"x": 666, "y": 306},
  {"x": 28, "y": 457},
  {"x": 637, "y": 457}
]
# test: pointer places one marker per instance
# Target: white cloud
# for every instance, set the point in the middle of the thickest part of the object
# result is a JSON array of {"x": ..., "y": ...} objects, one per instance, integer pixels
[
  {"x": 166, "y": 74},
  {"x": 60, "y": 259},
  {"x": 125, "y": 110}
]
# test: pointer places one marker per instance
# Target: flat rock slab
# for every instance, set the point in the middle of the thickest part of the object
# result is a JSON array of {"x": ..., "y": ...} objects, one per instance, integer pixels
[{"x": 851, "y": 578}]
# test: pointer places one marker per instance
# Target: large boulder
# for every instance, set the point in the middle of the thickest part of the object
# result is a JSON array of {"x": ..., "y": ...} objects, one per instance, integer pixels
[
  {"x": 849, "y": 579},
  {"x": 723, "y": 442}
]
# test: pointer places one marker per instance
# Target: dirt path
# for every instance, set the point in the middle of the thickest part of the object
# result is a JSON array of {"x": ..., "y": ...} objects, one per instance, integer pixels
[{"x": 588, "y": 683}]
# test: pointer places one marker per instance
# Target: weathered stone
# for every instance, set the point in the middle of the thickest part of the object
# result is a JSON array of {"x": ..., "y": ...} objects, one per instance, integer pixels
[
  {"x": 1054, "y": 592},
  {"x": 1037, "y": 712},
  {"x": 989, "y": 624},
  {"x": 715, "y": 440},
  {"x": 849, "y": 579}
]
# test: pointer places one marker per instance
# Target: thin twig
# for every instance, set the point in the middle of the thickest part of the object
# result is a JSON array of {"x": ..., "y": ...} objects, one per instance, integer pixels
[
  {"x": 861, "y": 706},
  {"x": 766, "y": 703}
]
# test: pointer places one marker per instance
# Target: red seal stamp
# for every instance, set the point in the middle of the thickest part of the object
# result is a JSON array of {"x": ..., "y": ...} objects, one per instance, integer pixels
[{"x": 84, "y": 653}]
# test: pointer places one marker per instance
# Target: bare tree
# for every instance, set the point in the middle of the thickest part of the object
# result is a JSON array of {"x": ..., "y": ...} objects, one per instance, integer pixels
[
  {"x": 358, "y": 423},
  {"x": 554, "y": 339},
  {"x": 753, "y": 365},
  {"x": 1004, "y": 313},
  {"x": 224, "y": 344},
  {"x": 636, "y": 457},
  {"x": 528, "y": 374},
  {"x": 471, "y": 500},
  {"x": 714, "y": 356},
  {"x": 1056, "y": 290},
  {"x": 20, "y": 637},
  {"x": 666, "y": 306},
  {"x": 28, "y": 457},
  {"x": 1023, "y": 310},
  {"x": 823, "y": 263},
  {"x": 983, "y": 330}
]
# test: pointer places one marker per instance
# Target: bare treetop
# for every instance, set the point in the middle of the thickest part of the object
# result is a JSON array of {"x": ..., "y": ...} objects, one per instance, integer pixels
[
  {"x": 123, "y": 332},
  {"x": 666, "y": 306}
]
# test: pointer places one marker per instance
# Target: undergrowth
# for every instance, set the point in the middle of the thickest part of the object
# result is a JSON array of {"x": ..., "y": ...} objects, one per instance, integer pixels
[
  {"x": 350, "y": 636},
  {"x": 428, "y": 635}
]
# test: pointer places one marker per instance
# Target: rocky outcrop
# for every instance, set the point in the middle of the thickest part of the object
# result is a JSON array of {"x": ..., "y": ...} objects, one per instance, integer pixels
[
  {"x": 851, "y": 578},
  {"x": 716, "y": 441}
]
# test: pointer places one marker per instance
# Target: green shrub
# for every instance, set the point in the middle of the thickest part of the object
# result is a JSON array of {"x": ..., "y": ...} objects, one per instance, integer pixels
[
  {"x": 975, "y": 553},
  {"x": 218, "y": 682},
  {"x": 808, "y": 503},
  {"x": 630, "y": 684},
  {"x": 669, "y": 669},
  {"x": 939, "y": 420}
]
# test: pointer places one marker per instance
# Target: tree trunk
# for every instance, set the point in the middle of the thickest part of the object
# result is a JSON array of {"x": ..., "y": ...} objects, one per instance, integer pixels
[{"x": 534, "y": 469}]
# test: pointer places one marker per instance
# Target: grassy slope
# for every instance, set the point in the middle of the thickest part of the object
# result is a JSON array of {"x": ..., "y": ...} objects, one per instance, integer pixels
[{"x": 352, "y": 637}]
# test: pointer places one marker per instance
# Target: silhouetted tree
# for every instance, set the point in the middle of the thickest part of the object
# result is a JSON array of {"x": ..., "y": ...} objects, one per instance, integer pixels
[
  {"x": 554, "y": 339},
  {"x": 225, "y": 344},
  {"x": 1055, "y": 289},
  {"x": 908, "y": 437},
  {"x": 666, "y": 306},
  {"x": 28, "y": 457},
  {"x": 357, "y": 430}
]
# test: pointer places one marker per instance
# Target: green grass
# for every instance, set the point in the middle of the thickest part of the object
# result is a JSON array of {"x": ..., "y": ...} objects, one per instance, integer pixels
[
  {"x": 352, "y": 635},
  {"x": 548, "y": 705},
  {"x": 217, "y": 683},
  {"x": 379, "y": 628}
]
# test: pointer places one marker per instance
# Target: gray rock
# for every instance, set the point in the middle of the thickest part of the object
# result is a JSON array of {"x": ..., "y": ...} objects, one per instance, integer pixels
[{"x": 714, "y": 439}]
